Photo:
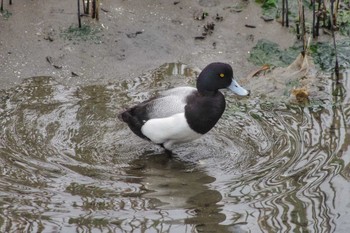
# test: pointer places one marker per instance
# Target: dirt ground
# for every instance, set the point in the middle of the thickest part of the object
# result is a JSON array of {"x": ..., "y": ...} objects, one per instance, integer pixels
[{"x": 135, "y": 37}]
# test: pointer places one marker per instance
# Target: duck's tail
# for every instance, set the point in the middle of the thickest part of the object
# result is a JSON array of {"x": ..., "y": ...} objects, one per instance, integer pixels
[
  {"x": 134, "y": 123},
  {"x": 123, "y": 116}
]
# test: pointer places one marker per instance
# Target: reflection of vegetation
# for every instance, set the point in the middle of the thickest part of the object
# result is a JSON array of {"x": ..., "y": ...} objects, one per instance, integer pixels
[
  {"x": 295, "y": 185},
  {"x": 86, "y": 171},
  {"x": 87, "y": 190},
  {"x": 285, "y": 189},
  {"x": 86, "y": 32},
  {"x": 256, "y": 116},
  {"x": 92, "y": 222},
  {"x": 345, "y": 171},
  {"x": 97, "y": 204},
  {"x": 269, "y": 7},
  {"x": 344, "y": 22}
]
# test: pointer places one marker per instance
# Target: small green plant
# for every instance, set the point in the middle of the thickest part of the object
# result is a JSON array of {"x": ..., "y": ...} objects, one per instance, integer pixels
[
  {"x": 85, "y": 33},
  {"x": 268, "y": 4},
  {"x": 267, "y": 52},
  {"x": 323, "y": 54},
  {"x": 269, "y": 7},
  {"x": 5, "y": 14},
  {"x": 344, "y": 22}
]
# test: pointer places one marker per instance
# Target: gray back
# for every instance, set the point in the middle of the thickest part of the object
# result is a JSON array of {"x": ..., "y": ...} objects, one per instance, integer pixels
[{"x": 169, "y": 102}]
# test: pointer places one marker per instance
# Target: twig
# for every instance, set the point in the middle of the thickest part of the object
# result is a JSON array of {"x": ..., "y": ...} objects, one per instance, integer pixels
[
  {"x": 93, "y": 10},
  {"x": 336, "y": 12},
  {"x": 283, "y": 5},
  {"x": 314, "y": 19},
  {"x": 304, "y": 31},
  {"x": 287, "y": 18},
  {"x": 84, "y": 7},
  {"x": 87, "y": 10},
  {"x": 79, "y": 19},
  {"x": 298, "y": 30},
  {"x": 95, "y": 7},
  {"x": 97, "y": 10},
  {"x": 302, "y": 25},
  {"x": 336, "y": 68},
  {"x": 318, "y": 18}
]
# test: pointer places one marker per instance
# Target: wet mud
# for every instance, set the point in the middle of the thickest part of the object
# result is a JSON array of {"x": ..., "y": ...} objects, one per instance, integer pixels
[{"x": 131, "y": 38}]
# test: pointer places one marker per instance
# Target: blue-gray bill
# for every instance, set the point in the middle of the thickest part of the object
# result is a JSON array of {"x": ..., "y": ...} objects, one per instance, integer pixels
[{"x": 237, "y": 89}]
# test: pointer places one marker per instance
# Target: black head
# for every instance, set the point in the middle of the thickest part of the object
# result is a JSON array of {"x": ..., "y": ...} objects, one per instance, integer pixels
[
  {"x": 217, "y": 76},
  {"x": 214, "y": 76}
]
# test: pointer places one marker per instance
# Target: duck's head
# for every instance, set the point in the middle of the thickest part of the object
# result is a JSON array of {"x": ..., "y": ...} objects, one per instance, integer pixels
[{"x": 217, "y": 76}]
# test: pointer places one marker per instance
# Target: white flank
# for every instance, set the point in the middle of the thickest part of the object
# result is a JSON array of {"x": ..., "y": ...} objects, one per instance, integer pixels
[{"x": 169, "y": 130}]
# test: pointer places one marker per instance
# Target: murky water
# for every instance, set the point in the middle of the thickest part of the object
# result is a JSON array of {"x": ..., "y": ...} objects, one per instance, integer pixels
[{"x": 68, "y": 165}]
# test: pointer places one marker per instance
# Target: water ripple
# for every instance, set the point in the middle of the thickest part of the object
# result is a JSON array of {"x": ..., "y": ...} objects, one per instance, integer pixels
[{"x": 67, "y": 164}]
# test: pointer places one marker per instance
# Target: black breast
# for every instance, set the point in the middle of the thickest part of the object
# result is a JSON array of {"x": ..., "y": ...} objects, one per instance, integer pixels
[{"x": 203, "y": 112}]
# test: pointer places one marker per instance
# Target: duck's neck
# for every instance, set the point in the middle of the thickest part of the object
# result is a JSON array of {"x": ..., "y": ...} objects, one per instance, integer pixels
[
  {"x": 207, "y": 93},
  {"x": 202, "y": 87}
]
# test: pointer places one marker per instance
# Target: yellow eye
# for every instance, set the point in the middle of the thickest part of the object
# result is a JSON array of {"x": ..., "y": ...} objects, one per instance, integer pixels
[{"x": 222, "y": 75}]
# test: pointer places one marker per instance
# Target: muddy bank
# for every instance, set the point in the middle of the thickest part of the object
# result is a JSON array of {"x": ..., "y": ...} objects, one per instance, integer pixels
[{"x": 131, "y": 38}]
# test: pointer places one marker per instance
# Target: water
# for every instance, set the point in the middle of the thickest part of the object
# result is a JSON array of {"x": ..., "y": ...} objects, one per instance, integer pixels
[{"x": 68, "y": 164}]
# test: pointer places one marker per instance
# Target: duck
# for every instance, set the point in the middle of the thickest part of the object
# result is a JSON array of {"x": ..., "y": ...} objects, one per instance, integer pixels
[{"x": 183, "y": 114}]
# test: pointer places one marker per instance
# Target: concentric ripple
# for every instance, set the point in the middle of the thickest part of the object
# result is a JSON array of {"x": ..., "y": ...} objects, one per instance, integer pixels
[{"x": 68, "y": 165}]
